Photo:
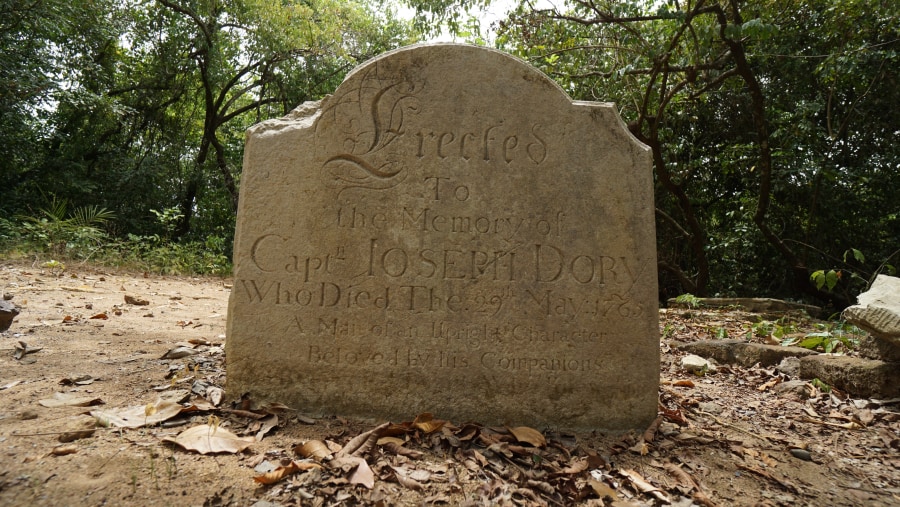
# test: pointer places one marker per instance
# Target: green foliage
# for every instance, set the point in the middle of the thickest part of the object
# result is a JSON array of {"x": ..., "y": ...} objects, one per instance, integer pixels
[
  {"x": 154, "y": 254},
  {"x": 777, "y": 329},
  {"x": 830, "y": 338},
  {"x": 824, "y": 278},
  {"x": 129, "y": 107},
  {"x": 78, "y": 235},
  {"x": 58, "y": 232},
  {"x": 854, "y": 278},
  {"x": 9, "y": 234},
  {"x": 690, "y": 300},
  {"x": 753, "y": 186},
  {"x": 821, "y": 386},
  {"x": 139, "y": 106},
  {"x": 56, "y": 268},
  {"x": 169, "y": 256}
]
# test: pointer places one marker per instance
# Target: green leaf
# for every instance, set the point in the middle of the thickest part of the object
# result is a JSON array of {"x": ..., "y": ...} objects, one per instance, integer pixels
[
  {"x": 856, "y": 255},
  {"x": 831, "y": 278},
  {"x": 812, "y": 342},
  {"x": 819, "y": 278},
  {"x": 733, "y": 31},
  {"x": 822, "y": 386},
  {"x": 788, "y": 342}
]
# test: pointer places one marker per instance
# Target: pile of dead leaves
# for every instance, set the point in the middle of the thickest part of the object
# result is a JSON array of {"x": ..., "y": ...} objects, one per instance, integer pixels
[{"x": 514, "y": 466}]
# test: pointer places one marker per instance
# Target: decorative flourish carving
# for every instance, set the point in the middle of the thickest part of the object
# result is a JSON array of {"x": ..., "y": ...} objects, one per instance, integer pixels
[
  {"x": 350, "y": 171},
  {"x": 369, "y": 117}
]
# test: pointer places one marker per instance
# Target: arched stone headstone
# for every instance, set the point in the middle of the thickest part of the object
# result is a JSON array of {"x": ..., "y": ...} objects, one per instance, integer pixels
[{"x": 449, "y": 233}]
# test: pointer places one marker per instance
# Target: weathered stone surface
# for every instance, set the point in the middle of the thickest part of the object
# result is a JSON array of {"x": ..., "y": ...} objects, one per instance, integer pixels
[
  {"x": 8, "y": 312},
  {"x": 756, "y": 305},
  {"x": 789, "y": 366},
  {"x": 796, "y": 388},
  {"x": 859, "y": 377},
  {"x": 696, "y": 365},
  {"x": 450, "y": 233},
  {"x": 878, "y": 312},
  {"x": 872, "y": 347},
  {"x": 743, "y": 353}
]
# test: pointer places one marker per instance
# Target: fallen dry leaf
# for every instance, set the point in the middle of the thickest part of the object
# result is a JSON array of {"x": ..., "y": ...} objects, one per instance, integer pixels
[
  {"x": 62, "y": 450},
  {"x": 138, "y": 416},
  {"x": 643, "y": 486},
  {"x": 772, "y": 383},
  {"x": 207, "y": 439},
  {"x": 135, "y": 301},
  {"x": 399, "y": 450},
  {"x": 22, "y": 349},
  {"x": 199, "y": 405},
  {"x": 650, "y": 432},
  {"x": 275, "y": 408},
  {"x": 12, "y": 384},
  {"x": 315, "y": 449},
  {"x": 360, "y": 474},
  {"x": 687, "y": 481},
  {"x": 529, "y": 436},
  {"x": 284, "y": 471},
  {"x": 427, "y": 423},
  {"x": 395, "y": 440},
  {"x": 640, "y": 447},
  {"x": 265, "y": 425},
  {"x": 101, "y": 316},
  {"x": 215, "y": 395},
  {"x": 403, "y": 478},
  {"x": 575, "y": 467},
  {"x": 602, "y": 490},
  {"x": 71, "y": 436},
  {"x": 178, "y": 353},
  {"x": 364, "y": 442},
  {"x": 78, "y": 380},
  {"x": 70, "y": 400}
]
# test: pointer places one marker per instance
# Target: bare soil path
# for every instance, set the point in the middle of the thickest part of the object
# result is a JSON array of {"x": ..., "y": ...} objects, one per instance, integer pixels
[{"x": 740, "y": 436}]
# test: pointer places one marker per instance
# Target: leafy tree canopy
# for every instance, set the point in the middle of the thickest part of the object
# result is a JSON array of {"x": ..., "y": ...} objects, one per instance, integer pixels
[
  {"x": 141, "y": 105},
  {"x": 770, "y": 124}
]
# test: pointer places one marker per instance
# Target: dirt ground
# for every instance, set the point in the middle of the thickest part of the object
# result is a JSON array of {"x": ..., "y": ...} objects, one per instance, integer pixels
[{"x": 733, "y": 437}]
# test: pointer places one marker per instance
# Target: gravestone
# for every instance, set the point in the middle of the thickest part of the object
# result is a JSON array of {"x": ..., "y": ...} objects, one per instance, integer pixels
[{"x": 448, "y": 233}]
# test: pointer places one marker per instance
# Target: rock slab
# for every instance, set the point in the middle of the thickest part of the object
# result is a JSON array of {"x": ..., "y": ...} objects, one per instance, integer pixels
[
  {"x": 857, "y": 376},
  {"x": 743, "y": 353},
  {"x": 449, "y": 233},
  {"x": 8, "y": 312},
  {"x": 755, "y": 305},
  {"x": 878, "y": 312}
]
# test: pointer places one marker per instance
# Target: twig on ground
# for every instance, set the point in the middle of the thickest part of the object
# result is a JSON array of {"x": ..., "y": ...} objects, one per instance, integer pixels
[{"x": 734, "y": 427}]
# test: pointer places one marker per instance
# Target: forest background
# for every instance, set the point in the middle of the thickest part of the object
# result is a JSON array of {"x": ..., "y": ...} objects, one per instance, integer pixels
[{"x": 773, "y": 124}]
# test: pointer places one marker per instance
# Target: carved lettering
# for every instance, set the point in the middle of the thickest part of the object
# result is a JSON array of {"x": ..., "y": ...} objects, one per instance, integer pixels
[
  {"x": 415, "y": 233},
  {"x": 446, "y": 264},
  {"x": 493, "y": 143},
  {"x": 551, "y": 264},
  {"x": 526, "y": 363}
]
